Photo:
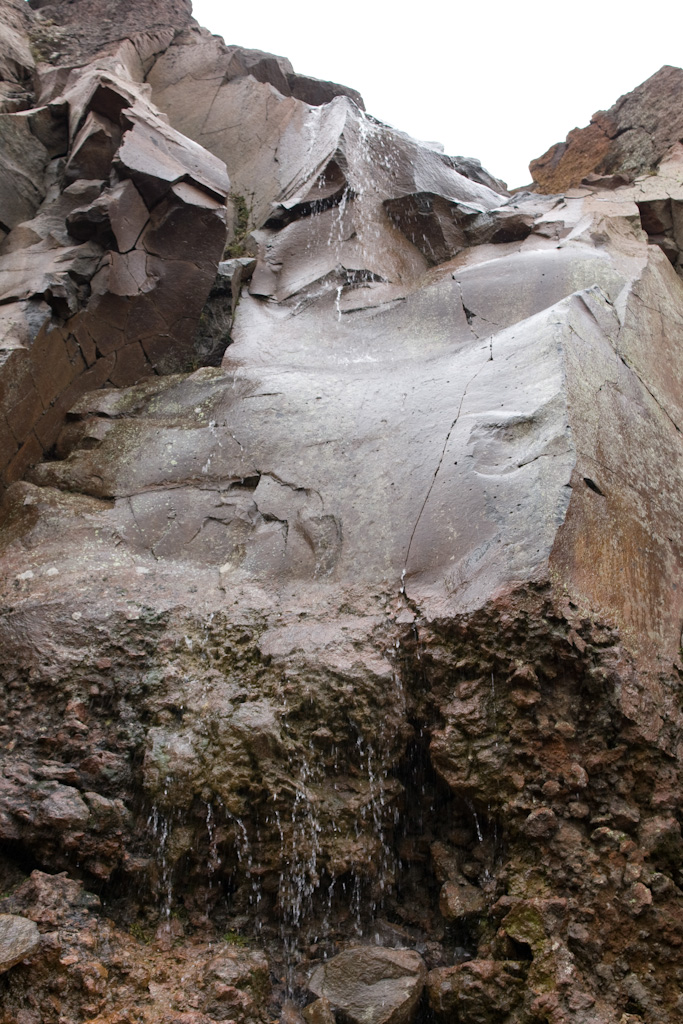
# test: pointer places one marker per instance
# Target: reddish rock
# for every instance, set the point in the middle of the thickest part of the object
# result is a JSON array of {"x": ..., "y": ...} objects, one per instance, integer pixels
[
  {"x": 541, "y": 823},
  {"x": 628, "y": 139}
]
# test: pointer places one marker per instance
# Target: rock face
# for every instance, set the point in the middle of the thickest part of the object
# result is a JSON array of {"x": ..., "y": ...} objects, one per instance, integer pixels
[{"x": 341, "y": 619}]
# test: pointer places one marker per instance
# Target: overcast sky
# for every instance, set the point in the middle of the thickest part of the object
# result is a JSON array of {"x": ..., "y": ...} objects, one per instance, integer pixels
[{"x": 487, "y": 79}]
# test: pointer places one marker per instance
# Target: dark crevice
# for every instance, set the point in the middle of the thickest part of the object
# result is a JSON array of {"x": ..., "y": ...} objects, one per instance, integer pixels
[{"x": 593, "y": 486}]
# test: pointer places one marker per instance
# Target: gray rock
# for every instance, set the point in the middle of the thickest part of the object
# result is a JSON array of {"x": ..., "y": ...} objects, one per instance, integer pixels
[
  {"x": 64, "y": 808},
  {"x": 16, "y": 59},
  {"x": 372, "y": 985},
  {"x": 68, "y": 36},
  {"x": 459, "y": 899},
  {"x": 472, "y": 168},
  {"x": 23, "y": 160},
  {"x": 19, "y": 938}
]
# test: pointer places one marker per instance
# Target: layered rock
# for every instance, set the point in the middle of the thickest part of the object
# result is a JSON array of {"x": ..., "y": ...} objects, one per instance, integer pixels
[
  {"x": 369, "y": 635},
  {"x": 112, "y": 248}
]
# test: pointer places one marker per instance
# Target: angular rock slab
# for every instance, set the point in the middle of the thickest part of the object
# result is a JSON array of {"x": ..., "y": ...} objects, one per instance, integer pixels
[
  {"x": 19, "y": 938},
  {"x": 124, "y": 303},
  {"x": 372, "y": 985}
]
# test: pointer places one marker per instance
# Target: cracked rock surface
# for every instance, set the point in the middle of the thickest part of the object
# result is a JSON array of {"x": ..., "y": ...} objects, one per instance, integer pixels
[{"x": 341, "y": 633}]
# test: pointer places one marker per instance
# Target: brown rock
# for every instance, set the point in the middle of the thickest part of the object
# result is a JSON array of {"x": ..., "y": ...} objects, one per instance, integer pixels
[
  {"x": 404, "y": 565},
  {"x": 143, "y": 300},
  {"x": 460, "y": 900},
  {"x": 319, "y": 1012},
  {"x": 541, "y": 823},
  {"x": 637, "y": 898},
  {"x": 63, "y": 808},
  {"x": 481, "y": 991}
]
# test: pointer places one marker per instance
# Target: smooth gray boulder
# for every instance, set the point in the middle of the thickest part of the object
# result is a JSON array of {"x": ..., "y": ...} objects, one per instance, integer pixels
[
  {"x": 372, "y": 985},
  {"x": 19, "y": 938}
]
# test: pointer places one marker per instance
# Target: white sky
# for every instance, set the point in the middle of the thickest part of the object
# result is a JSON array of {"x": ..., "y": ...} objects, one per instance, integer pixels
[{"x": 485, "y": 79}]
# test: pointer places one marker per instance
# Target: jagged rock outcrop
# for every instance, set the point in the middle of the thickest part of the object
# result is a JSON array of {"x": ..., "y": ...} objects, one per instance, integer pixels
[
  {"x": 116, "y": 224},
  {"x": 368, "y": 636},
  {"x": 627, "y": 140}
]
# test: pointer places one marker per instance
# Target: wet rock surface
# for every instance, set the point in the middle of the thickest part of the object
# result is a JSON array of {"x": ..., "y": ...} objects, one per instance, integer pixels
[{"x": 340, "y": 606}]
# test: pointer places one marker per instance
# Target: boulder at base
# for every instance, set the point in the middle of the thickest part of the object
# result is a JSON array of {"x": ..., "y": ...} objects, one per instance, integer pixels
[{"x": 372, "y": 985}]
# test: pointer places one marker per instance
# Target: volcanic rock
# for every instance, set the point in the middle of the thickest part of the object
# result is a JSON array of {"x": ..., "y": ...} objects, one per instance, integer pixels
[
  {"x": 481, "y": 991},
  {"x": 124, "y": 302}
]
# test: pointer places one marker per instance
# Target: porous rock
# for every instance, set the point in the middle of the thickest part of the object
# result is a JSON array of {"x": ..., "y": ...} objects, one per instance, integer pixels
[{"x": 480, "y": 991}]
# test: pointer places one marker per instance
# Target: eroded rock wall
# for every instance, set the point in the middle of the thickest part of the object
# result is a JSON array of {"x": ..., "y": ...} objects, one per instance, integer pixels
[{"x": 369, "y": 635}]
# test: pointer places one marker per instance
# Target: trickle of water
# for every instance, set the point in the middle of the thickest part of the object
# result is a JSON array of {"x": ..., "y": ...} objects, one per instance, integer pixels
[
  {"x": 213, "y": 860},
  {"x": 160, "y": 828}
]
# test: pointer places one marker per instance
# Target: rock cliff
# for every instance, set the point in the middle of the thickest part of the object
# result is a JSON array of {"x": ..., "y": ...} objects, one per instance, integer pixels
[{"x": 341, "y": 549}]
